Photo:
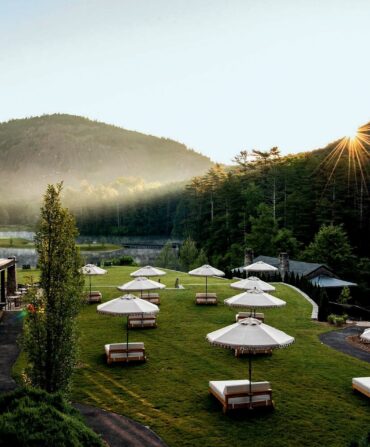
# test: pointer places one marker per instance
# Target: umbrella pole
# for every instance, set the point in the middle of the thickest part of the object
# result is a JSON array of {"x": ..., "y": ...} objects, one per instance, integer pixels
[
  {"x": 206, "y": 287},
  {"x": 250, "y": 379},
  {"x": 90, "y": 283},
  {"x": 127, "y": 336}
]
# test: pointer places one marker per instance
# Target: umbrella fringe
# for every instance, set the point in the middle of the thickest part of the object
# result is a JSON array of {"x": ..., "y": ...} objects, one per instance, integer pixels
[{"x": 251, "y": 348}]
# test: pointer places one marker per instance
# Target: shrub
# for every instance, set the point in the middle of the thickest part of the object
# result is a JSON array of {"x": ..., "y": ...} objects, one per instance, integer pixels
[
  {"x": 338, "y": 320},
  {"x": 30, "y": 417}
]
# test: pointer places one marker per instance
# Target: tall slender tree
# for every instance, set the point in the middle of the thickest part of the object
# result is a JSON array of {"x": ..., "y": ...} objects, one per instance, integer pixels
[{"x": 50, "y": 330}]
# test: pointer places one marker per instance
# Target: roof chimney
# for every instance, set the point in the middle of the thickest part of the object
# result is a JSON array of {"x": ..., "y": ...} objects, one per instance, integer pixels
[
  {"x": 248, "y": 257},
  {"x": 283, "y": 264}
]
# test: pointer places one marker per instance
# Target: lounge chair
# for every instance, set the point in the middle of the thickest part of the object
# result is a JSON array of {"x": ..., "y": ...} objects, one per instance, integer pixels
[
  {"x": 118, "y": 352},
  {"x": 362, "y": 385},
  {"x": 142, "y": 321},
  {"x": 241, "y": 315},
  {"x": 93, "y": 297},
  {"x": 206, "y": 298},
  {"x": 152, "y": 298},
  {"x": 234, "y": 394}
]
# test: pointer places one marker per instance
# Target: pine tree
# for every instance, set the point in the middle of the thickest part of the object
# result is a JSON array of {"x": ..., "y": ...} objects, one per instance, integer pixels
[
  {"x": 188, "y": 254},
  {"x": 50, "y": 327}
]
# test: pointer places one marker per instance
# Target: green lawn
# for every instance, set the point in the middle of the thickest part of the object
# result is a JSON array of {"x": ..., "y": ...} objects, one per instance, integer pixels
[
  {"x": 16, "y": 243},
  {"x": 311, "y": 382}
]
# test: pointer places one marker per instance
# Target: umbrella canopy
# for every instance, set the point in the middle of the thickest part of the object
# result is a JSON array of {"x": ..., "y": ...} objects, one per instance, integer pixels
[
  {"x": 139, "y": 284},
  {"x": 253, "y": 283},
  {"x": 254, "y": 299},
  {"x": 127, "y": 305},
  {"x": 250, "y": 335},
  {"x": 206, "y": 271},
  {"x": 92, "y": 270},
  {"x": 260, "y": 266},
  {"x": 148, "y": 270},
  {"x": 365, "y": 336}
]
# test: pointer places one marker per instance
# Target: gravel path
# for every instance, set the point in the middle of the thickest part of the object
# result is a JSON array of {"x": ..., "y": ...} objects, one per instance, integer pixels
[
  {"x": 116, "y": 430},
  {"x": 337, "y": 340}
]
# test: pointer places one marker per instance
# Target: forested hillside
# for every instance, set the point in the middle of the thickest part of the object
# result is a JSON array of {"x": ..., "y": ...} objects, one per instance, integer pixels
[
  {"x": 265, "y": 201},
  {"x": 96, "y": 161}
]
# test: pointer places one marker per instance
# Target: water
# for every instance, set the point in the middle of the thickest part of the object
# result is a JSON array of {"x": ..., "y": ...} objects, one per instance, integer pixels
[{"x": 28, "y": 256}]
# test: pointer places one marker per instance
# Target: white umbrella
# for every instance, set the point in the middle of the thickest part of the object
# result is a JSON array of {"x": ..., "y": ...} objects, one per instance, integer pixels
[
  {"x": 260, "y": 266},
  {"x": 254, "y": 299},
  {"x": 148, "y": 270},
  {"x": 253, "y": 283},
  {"x": 139, "y": 284},
  {"x": 365, "y": 336},
  {"x": 250, "y": 335},
  {"x": 206, "y": 271},
  {"x": 127, "y": 305},
  {"x": 92, "y": 270}
]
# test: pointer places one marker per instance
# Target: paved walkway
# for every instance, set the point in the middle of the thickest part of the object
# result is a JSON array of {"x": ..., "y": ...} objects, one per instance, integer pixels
[
  {"x": 10, "y": 329},
  {"x": 337, "y": 340},
  {"x": 119, "y": 431},
  {"x": 116, "y": 430}
]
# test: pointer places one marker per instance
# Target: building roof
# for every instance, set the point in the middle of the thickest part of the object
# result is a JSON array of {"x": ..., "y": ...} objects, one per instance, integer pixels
[
  {"x": 5, "y": 263},
  {"x": 300, "y": 267},
  {"x": 327, "y": 281}
]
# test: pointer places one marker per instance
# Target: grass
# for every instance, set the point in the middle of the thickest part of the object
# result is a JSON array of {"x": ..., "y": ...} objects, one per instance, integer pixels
[
  {"x": 16, "y": 243},
  {"x": 311, "y": 382}
]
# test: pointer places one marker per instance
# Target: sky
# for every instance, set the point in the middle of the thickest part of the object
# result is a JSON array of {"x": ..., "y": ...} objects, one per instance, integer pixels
[{"x": 220, "y": 76}]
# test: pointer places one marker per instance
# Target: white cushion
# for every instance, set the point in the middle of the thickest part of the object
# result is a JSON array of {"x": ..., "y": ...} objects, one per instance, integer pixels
[
  {"x": 362, "y": 382},
  {"x": 222, "y": 387},
  {"x": 134, "y": 345},
  {"x": 123, "y": 355},
  {"x": 218, "y": 386}
]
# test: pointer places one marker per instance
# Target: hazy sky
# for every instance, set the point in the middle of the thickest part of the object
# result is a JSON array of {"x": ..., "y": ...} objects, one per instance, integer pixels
[{"x": 217, "y": 75}]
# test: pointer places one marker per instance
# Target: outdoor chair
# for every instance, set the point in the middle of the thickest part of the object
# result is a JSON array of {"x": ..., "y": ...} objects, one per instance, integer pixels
[
  {"x": 241, "y": 315},
  {"x": 93, "y": 297},
  {"x": 206, "y": 298},
  {"x": 362, "y": 385},
  {"x": 142, "y": 321},
  {"x": 152, "y": 298},
  {"x": 118, "y": 352},
  {"x": 235, "y": 394},
  {"x": 13, "y": 301}
]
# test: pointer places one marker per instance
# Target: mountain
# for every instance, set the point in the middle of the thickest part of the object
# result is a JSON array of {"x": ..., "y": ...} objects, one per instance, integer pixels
[{"x": 40, "y": 150}]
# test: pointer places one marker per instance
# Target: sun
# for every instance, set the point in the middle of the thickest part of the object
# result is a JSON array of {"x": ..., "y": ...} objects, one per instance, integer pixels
[
  {"x": 354, "y": 148},
  {"x": 352, "y": 133}
]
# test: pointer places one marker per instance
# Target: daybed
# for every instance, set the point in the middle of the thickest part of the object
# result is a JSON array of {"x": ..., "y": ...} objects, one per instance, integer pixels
[
  {"x": 241, "y": 315},
  {"x": 235, "y": 394},
  {"x": 240, "y": 351},
  {"x": 142, "y": 321},
  {"x": 118, "y": 352},
  {"x": 362, "y": 385},
  {"x": 93, "y": 297},
  {"x": 206, "y": 298},
  {"x": 152, "y": 298}
]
